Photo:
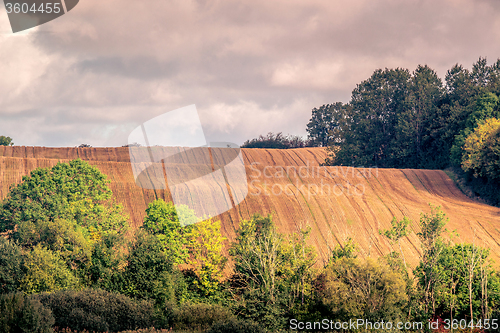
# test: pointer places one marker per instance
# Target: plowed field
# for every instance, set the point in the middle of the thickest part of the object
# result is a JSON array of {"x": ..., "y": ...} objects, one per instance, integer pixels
[{"x": 336, "y": 202}]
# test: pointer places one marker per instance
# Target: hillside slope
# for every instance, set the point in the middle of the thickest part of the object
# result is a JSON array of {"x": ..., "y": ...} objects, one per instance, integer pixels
[{"x": 336, "y": 202}]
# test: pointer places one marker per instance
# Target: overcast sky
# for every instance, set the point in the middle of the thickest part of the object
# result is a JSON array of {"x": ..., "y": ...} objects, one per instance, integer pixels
[{"x": 251, "y": 67}]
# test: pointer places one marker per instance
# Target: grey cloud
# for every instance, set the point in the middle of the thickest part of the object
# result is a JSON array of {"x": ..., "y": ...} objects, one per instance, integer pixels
[
  {"x": 250, "y": 67},
  {"x": 143, "y": 67}
]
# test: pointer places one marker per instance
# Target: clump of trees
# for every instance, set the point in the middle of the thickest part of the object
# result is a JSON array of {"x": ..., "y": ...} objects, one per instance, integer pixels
[
  {"x": 402, "y": 119},
  {"x": 277, "y": 141},
  {"x": 58, "y": 217},
  {"x": 272, "y": 273},
  {"x": 6, "y": 141}
]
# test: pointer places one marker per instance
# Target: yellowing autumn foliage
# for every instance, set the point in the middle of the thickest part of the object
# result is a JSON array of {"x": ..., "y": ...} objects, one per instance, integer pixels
[{"x": 482, "y": 150}]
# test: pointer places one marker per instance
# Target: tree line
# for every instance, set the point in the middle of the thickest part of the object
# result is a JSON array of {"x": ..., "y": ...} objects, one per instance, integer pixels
[
  {"x": 402, "y": 119},
  {"x": 397, "y": 118},
  {"x": 68, "y": 260}
]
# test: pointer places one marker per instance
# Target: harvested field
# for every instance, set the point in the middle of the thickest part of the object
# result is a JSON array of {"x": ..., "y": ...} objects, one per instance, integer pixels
[{"x": 336, "y": 202}]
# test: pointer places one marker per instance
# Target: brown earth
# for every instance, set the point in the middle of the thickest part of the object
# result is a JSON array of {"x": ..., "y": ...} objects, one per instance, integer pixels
[{"x": 336, "y": 202}]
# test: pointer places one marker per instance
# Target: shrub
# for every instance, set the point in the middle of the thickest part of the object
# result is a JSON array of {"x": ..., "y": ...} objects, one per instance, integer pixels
[
  {"x": 19, "y": 313},
  {"x": 236, "y": 326},
  {"x": 352, "y": 288},
  {"x": 97, "y": 310},
  {"x": 199, "y": 316}
]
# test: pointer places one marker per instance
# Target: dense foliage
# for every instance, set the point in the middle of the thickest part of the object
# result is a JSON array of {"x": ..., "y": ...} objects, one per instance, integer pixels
[
  {"x": 11, "y": 261},
  {"x": 21, "y": 314},
  {"x": 351, "y": 288},
  {"x": 276, "y": 141},
  {"x": 145, "y": 282},
  {"x": 402, "y": 119},
  {"x": 60, "y": 217},
  {"x": 75, "y": 192},
  {"x": 6, "y": 141},
  {"x": 236, "y": 326},
  {"x": 97, "y": 310},
  {"x": 481, "y": 150},
  {"x": 272, "y": 272}
]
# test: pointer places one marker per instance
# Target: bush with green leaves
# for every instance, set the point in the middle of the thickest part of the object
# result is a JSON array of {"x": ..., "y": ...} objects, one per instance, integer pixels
[
  {"x": 11, "y": 263},
  {"x": 352, "y": 288},
  {"x": 21, "y": 314},
  {"x": 46, "y": 271},
  {"x": 236, "y": 326},
  {"x": 199, "y": 316},
  {"x": 97, "y": 310}
]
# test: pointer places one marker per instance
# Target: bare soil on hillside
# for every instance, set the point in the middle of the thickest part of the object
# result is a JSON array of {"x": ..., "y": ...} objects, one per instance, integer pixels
[{"x": 336, "y": 202}]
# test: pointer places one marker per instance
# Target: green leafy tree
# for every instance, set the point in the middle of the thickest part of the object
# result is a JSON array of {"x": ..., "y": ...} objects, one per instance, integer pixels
[
  {"x": 399, "y": 230},
  {"x": 273, "y": 271},
  {"x": 297, "y": 270},
  {"x": 324, "y": 124},
  {"x": 469, "y": 284},
  {"x": 482, "y": 150},
  {"x": 162, "y": 220},
  {"x": 67, "y": 239},
  {"x": 107, "y": 261},
  {"x": 428, "y": 272},
  {"x": 46, "y": 271},
  {"x": 414, "y": 144},
  {"x": 370, "y": 125},
  {"x": 148, "y": 273},
  {"x": 205, "y": 245},
  {"x": 67, "y": 210},
  {"x": 258, "y": 253},
  {"x": 485, "y": 107},
  {"x": 74, "y": 191},
  {"x": 350, "y": 288},
  {"x": 6, "y": 141},
  {"x": 472, "y": 97},
  {"x": 11, "y": 261}
]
